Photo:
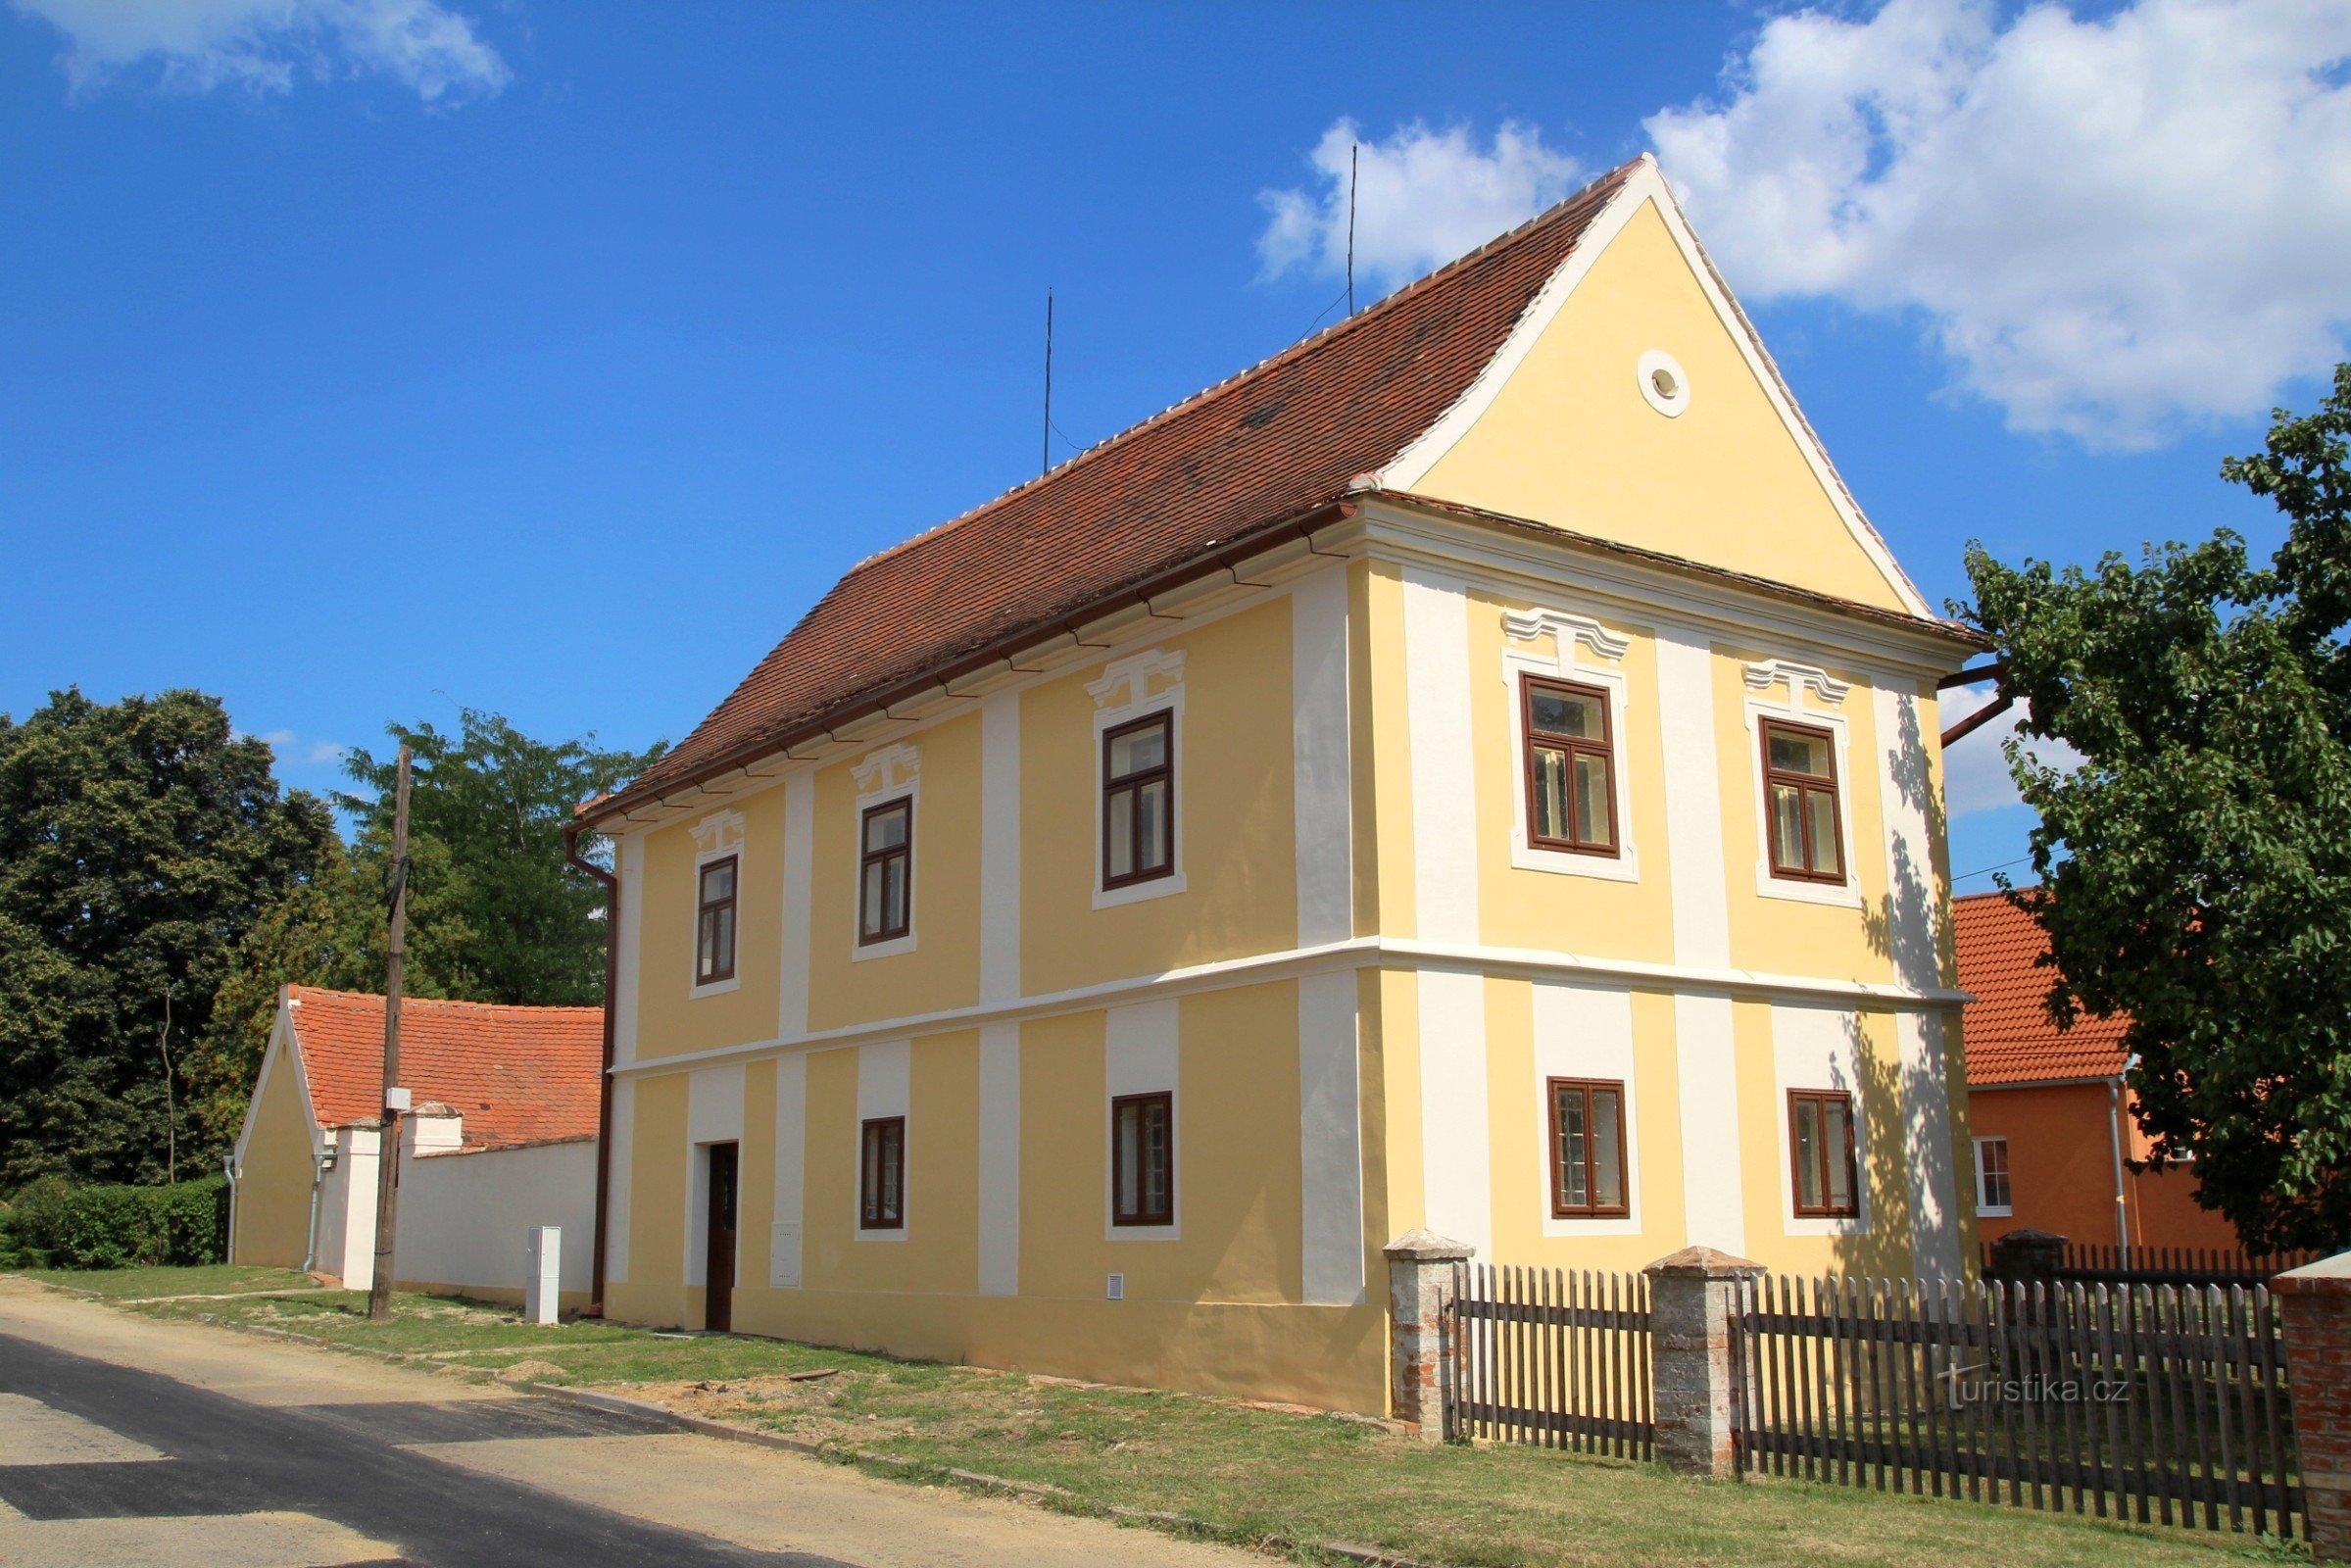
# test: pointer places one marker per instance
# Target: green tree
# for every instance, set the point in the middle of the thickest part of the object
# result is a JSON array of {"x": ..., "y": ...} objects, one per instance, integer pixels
[
  {"x": 139, "y": 842},
  {"x": 2194, "y": 867},
  {"x": 498, "y": 802}
]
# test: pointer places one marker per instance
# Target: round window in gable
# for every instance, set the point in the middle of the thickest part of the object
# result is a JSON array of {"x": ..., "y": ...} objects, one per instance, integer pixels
[{"x": 1663, "y": 382}]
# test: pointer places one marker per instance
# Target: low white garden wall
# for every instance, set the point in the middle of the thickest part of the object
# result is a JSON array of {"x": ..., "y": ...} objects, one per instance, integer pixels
[{"x": 465, "y": 1218}]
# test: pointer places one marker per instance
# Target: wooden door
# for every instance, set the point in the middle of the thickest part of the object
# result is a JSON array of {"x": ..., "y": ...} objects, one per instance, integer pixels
[{"x": 719, "y": 1315}]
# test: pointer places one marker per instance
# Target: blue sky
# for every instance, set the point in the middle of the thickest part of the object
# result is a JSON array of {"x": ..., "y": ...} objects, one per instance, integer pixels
[{"x": 362, "y": 358}]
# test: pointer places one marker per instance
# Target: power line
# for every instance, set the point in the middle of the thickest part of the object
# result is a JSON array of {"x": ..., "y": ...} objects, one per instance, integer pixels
[{"x": 2002, "y": 867}]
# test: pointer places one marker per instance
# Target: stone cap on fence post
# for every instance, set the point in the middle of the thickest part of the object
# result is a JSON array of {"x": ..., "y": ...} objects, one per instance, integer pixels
[
  {"x": 1420, "y": 1285},
  {"x": 2025, "y": 1255},
  {"x": 1693, "y": 1372}
]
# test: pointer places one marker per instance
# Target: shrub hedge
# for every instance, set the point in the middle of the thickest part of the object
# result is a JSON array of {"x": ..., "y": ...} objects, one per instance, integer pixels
[{"x": 123, "y": 1227}]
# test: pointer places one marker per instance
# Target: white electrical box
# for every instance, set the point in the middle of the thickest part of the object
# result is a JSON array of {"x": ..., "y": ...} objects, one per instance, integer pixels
[
  {"x": 397, "y": 1099},
  {"x": 1116, "y": 1288},
  {"x": 543, "y": 1273}
]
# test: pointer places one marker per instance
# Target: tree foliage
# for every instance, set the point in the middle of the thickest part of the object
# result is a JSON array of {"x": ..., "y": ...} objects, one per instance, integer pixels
[
  {"x": 2194, "y": 867},
  {"x": 139, "y": 842}
]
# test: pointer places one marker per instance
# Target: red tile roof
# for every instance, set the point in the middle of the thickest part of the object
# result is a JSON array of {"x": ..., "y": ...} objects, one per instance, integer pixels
[
  {"x": 517, "y": 1075},
  {"x": 1245, "y": 457},
  {"x": 2009, "y": 1037}
]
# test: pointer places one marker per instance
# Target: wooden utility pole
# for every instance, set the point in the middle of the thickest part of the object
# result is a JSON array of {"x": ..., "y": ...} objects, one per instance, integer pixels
[{"x": 387, "y": 1152}]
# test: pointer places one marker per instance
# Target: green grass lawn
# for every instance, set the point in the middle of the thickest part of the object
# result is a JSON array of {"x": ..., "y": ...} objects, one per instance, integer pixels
[
  {"x": 1250, "y": 1474},
  {"x": 127, "y": 1284}
]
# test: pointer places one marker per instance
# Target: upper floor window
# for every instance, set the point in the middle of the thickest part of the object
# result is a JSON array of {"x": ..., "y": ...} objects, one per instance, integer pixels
[
  {"x": 1139, "y": 801},
  {"x": 1992, "y": 1177},
  {"x": 885, "y": 872},
  {"x": 1143, "y": 1159},
  {"x": 1571, "y": 786},
  {"x": 715, "y": 922},
  {"x": 1820, "y": 1138},
  {"x": 1587, "y": 1149},
  {"x": 882, "y": 1174},
  {"x": 1800, "y": 808}
]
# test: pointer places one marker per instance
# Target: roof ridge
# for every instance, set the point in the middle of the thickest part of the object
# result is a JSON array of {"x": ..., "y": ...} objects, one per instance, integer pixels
[
  {"x": 444, "y": 1001},
  {"x": 1216, "y": 389}
]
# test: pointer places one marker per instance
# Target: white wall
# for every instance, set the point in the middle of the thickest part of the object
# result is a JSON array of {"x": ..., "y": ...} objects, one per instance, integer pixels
[{"x": 464, "y": 1218}]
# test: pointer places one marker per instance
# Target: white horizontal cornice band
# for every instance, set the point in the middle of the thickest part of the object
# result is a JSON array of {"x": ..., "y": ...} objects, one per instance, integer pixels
[{"x": 1358, "y": 953}]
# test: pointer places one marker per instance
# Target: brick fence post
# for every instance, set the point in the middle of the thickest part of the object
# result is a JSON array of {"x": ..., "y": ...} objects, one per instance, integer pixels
[
  {"x": 2315, "y": 1303},
  {"x": 1420, "y": 1287},
  {"x": 1692, "y": 1294}
]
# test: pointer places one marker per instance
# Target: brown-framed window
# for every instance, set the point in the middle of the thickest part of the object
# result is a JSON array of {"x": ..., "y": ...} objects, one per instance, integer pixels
[
  {"x": 1820, "y": 1142},
  {"x": 1587, "y": 1149},
  {"x": 1799, "y": 803},
  {"x": 886, "y": 871},
  {"x": 1139, "y": 801},
  {"x": 882, "y": 1174},
  {"x": 1571, "y": 779},
  {"x": 715, "y": 922},
  {"x": 1143, "y": 1159}
]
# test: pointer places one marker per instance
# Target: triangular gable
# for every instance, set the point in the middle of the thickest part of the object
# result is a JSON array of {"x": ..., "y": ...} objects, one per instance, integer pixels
[
  {"x": 283, "y": 1046},
  {"x": 1557, "y": 427}
]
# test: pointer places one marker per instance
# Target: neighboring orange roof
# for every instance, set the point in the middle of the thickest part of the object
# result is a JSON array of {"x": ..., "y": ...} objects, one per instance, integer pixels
[
  {"x": 1240, "y": 459},
  {"x": 517, "y": 1075},
  {"x": 2009, "y": 1037}
]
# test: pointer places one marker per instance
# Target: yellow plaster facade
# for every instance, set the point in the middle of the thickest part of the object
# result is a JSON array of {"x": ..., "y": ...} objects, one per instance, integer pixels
[{"x": 1362, "y": 976}]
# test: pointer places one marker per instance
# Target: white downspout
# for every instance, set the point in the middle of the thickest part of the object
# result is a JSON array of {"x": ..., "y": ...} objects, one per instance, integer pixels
[
  {"x": 310, "y": 1240},
  {"x": 228, "y": 1168},
  {"x": 2113, "y": 1129}
]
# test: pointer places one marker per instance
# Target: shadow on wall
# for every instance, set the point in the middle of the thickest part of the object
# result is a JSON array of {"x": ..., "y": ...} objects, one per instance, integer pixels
[{"x": 1910, "y": 928}]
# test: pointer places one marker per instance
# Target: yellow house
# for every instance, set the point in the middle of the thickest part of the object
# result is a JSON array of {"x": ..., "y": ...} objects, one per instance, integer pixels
[{"x": 1475, "y": 770}]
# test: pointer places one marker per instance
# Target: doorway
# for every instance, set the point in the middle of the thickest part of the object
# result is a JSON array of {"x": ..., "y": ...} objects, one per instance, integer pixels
[{"x": 719, "y": 1311}]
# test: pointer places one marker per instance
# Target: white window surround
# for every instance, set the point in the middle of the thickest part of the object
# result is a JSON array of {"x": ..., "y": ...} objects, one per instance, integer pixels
[
  {"x": 894, "y": 773},
  {"x": 1800, "y": 694},
  {"x": 885, "y": 1088},
  {"x": 1992, "y": 1211},
  {"x": 1141, "y": 1055},
  {"x": 1128, "y": 688},
  {"x": 1586, "y": 1032},
  {"x": 715, "y": 836},
  {"x": 1670, "y": 403},
  {"x": 1578, "y": 643},
  {"x": 1819, "y": 1048}
]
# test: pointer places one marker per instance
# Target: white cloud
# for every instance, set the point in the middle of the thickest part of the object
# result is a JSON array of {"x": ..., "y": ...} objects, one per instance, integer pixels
[
  {"x": 264, "y": 45},
  {"x": 2114, "y": 227},
  {"x": 1423, "y": 197},
  {"x": 1976, "y": 776},
  {"x": 278, "y": 740},
  {"x": 326, "y": 751}
]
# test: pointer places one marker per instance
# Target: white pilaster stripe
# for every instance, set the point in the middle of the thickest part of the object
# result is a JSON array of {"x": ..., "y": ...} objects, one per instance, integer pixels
[
  {"x": 628, "y": 939},
  {"x": 1000, "y": 847},
  {"x": 617, "y": 1178},
  {"x": 791, "y": 1171},
  {"x": 1455, "y": 1134},
  {"x": 1330, "y": 1143},
  {"x": 1706, "y": 1064},
  {"x": 1444, "y": 810},
  {"x": 1913, "y": 917},
  {"x": 999, "y": 1160},
  {"x": 800, "y": 882},
  {"x": 1323, "y": 795}
]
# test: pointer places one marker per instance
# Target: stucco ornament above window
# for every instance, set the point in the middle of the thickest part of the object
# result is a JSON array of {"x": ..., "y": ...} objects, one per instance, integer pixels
[
  {"x": 1136, "y": 678},
  {"x": 1525, "y": 626},
  {"x": 717, "y": 833},
  {"x": 1663, "y": 382},
  {"x": 892, "y": 768},
  {"x": 1766, "y": 674}
]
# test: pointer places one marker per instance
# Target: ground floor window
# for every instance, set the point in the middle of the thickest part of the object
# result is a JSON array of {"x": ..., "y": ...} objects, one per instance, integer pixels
[
  {"x": 1143, "y": 1159},
  {"x": 1587, "y": 1149},
  {"x": 882, "y": 1179},
  {"x": 1820, "y": 1136},
  {"x": 1992, "y": 1177}
]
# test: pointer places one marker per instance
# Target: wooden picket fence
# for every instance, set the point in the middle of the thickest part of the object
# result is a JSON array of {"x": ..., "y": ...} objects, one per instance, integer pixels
[
  {"x": 2152, "y": 1403},
  {"x": 2091, "y": 1264},
  {"x": 1554, "y": 1358}
]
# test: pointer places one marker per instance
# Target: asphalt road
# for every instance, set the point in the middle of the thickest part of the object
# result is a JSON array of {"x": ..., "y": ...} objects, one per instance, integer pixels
[{"x": 352, "y": 1465}]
